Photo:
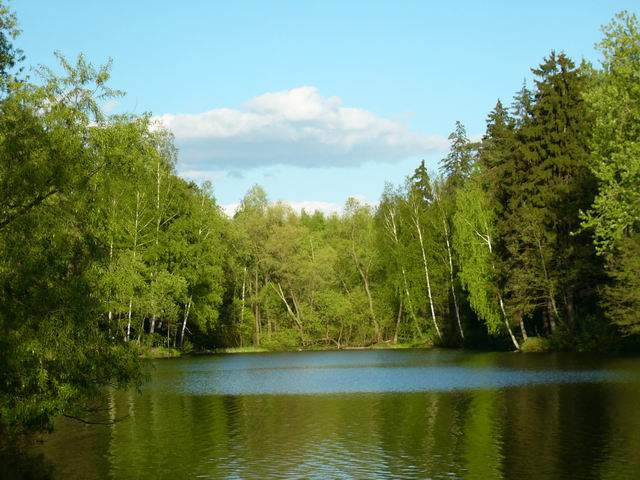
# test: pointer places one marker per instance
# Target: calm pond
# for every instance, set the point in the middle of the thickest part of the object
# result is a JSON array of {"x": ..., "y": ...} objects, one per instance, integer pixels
[{"x": 361, "y": 414}]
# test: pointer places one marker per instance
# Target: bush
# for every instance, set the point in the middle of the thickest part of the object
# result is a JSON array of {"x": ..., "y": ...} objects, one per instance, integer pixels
[{"x": 535, "y": 345}]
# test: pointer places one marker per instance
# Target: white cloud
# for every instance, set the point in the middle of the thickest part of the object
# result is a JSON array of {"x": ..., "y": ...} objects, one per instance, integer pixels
[
  {"x": 293, "y": 127},
  {"x": 230, "y": 208},
  {"x": 110, "y": 106},
  {"x": 214, "y": 176},
  {"x": 310, "y": 206}
]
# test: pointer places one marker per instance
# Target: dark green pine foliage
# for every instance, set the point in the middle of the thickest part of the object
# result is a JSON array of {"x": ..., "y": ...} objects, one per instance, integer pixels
[
  {"x": 503, "y": 174},
  {"x": 496, "y": 161},
  {"x": 457, "y": 165},
  {"x": 554, "y": 184},
  {"x": 522, "y": 105},
  {"x": 421, "y": 183},
  {"x": 496, "y": 169},
  {"x": 455, "y": 168}
]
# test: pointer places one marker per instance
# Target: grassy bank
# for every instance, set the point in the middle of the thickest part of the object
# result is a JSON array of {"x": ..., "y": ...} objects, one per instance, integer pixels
[
  {"x": 316, "y": 348},
  {"x": 533, "y": 344},
  {"x": 159, "y": 352},
  {"x": 536, "y": 345}
]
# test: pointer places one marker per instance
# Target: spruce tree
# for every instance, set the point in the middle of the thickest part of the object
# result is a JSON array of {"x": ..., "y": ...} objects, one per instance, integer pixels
[
  {"x": 421, "y": 183},
  {"x": 457, "y": 165},
  {"x": 549, "y": 265}
]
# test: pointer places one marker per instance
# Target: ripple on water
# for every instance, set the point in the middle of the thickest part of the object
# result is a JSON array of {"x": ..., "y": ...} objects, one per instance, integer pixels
[
  {"x": 416, "y": 414},
  {"x": 331, "y": 380}
]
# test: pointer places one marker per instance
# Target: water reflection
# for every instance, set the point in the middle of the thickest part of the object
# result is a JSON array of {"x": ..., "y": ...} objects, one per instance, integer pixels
[{"x": 571, "y": 425}]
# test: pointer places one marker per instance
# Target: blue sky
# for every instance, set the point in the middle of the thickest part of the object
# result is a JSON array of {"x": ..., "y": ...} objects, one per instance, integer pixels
[{"x": 314, "y": 100}]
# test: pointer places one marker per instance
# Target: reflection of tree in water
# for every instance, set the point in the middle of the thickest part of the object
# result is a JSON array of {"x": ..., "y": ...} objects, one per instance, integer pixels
[
  {"x": 572, "y": 430},
  {"x": 18, "y": 464}
]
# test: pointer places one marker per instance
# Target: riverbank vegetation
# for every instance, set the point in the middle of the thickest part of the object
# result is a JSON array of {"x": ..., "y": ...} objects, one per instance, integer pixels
[{"x": 531, "y": 231}]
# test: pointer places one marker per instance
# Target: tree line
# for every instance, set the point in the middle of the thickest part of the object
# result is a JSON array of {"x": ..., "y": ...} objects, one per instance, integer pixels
[{"x": 532, "y": 231}]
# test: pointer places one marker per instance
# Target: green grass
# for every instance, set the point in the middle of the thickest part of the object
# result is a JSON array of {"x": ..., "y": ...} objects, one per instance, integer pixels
[
  {"x": 535, "y": 345},
  {"x": 377, "y": 346},
  {"x": 401, "y": 345},
  {"x": 239, "y": 350},
  {"x": 158, "y": 352}
]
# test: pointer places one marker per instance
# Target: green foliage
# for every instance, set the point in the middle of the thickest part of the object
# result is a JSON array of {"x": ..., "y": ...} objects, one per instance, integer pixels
[
  {"x": 55, "y": 353},
  {"x": 457, "y": 165},
  {"x": 10, "y": 56},
  {"x": 622, "y": 295},
  {"x": 474, "y": 238},
  {"x": 614, "y": 99},
  {"x": 535, "y": 345},
  {"x": 107, "y": 255}
]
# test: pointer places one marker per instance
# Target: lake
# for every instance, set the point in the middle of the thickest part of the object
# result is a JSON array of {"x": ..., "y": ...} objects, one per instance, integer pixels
[{"x": 360, "y": 414}]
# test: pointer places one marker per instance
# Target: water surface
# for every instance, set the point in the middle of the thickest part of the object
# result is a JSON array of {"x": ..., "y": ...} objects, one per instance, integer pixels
[{"x": 361, "y": 414}]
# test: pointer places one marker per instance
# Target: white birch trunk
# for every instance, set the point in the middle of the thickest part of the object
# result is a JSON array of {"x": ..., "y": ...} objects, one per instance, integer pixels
[
  {"x": 184, "y": 321},
  {"x": 135, "y": 247},
  {"x": 451, "y": 279},
  {"x": 487, "y": 240},
  {"x": 453, "y": 288},
  {"x": 244, "y": 284},
  {"x": 416, "y": 221},
  {"x": 364, "y": 274}
]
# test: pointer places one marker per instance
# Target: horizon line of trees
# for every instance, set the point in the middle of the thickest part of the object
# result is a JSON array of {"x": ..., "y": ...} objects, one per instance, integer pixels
[{"x": 530, "y": 232}]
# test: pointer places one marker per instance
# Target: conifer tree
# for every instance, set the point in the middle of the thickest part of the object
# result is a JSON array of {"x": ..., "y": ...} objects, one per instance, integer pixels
[{"x": 457, "y": 165}]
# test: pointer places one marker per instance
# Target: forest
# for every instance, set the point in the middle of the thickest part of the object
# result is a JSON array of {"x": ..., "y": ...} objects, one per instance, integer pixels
[{"x": 526, "y": 239}]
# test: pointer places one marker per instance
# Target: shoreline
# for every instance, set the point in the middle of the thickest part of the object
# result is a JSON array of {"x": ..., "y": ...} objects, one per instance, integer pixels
[
  {"x": 156, "y": 353},
  {"x": 532, "y": 345}
]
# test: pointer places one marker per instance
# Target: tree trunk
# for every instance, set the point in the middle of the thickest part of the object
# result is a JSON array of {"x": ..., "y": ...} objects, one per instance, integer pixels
[
  {"x": 416, "y": 324},
  {"x": 520, "y": 318},
  {"x": 269, "y": 326},
  {"x": 298, "y": 311},
  {"x": 395, "y": 334},
  {"x": 554, "y": 310},
  {"x": 550, "y": 318},
  {"x": 135, "y": 247},
  {"x": 175, "y": 337},
  {"x": 487, "y": 240},
  {"x": 142, "y": 322},
  {"x": 453, "y": 288},
  {"x": 364, "y": 274},
  {"x": 392, "y": 230},
  {"x": 426, "y": 273},
  {"x": 152, "y": 321},
  {"x": 184, "y": 321},
  {"x": 244, "y": 282},
  {"x": 256, "y": 339},
  {"x": 570, "y": 308},
  {"x": 110, "y": 315},
  {"x": 376, "y": 327},
  {"x": 294, "y": 316},
  {"x": 506, "y": 322},
  {"x": 126, "y": 338}
]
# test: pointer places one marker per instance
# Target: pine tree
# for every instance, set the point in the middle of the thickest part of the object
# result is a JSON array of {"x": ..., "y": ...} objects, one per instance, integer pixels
[
  {"x": 503, "y": 174},
  {"x": 421, "y": 183},
  {"x": 457, "y": 165},
  {"x": 558, "y": 139},
  {"x": 548, "y": 264}
]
